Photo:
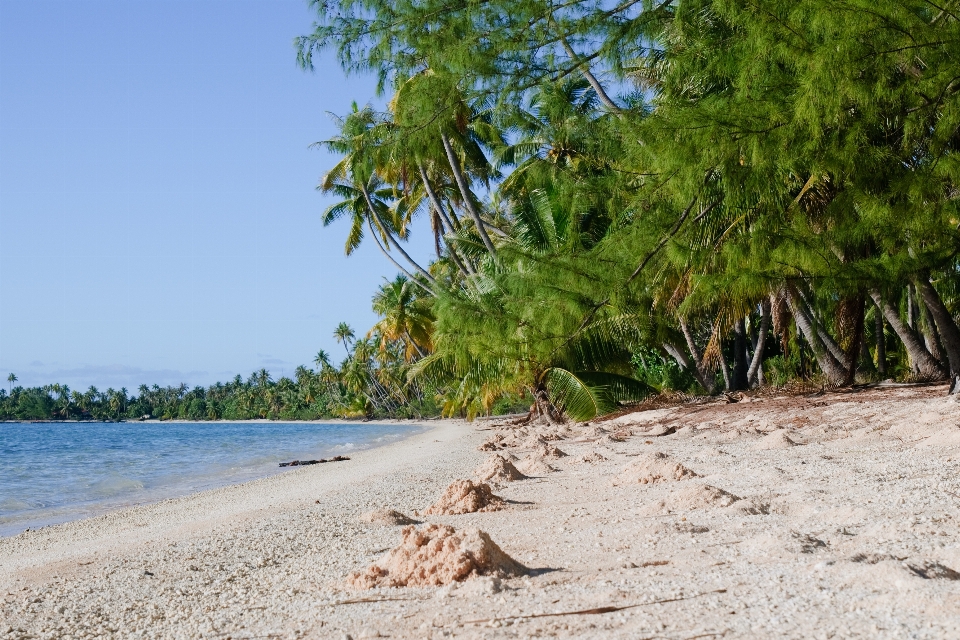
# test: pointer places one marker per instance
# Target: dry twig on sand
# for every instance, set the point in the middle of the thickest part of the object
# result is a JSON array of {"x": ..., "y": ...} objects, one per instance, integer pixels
[{"x": 595, "y": 611}]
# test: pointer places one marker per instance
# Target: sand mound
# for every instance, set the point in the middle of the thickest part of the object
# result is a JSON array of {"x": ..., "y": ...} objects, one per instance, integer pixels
[
  {"x": 385, "y": 516},
  {"x": 778, "y": 439},
  {"x": 498, "y": 469},
  {"x": 547, "y": 450},
  {"x": 535, "y": 465},
  {"x": 464, "y": 496},
  {"x": 494, "y": 443},
  {"x": 592, "y": 458},
  {"x": 533, "y": 442},
  {"x": 660, "y": 430},
  {"x": 652, "y": 468},
  {"x": 436, "y": 555},
  {"x": 699, "y": 496}
]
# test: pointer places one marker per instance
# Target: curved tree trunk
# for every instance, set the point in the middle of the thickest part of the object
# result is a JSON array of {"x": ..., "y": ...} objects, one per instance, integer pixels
[
  {"x": 829, "y": 364},
  {"x": 462, "y": 263},
  {"x": 923, "y": 364},
  {"x": 704, "y": 376},
  {"x": 677, "y": 353},
  {"x": 947, "y": 326},
  {"x": 467, "y": 194},
  {"x": 409, "y": 275},
  {"x": 391, "y": 239},
  {"x": 589, "y": 77}
]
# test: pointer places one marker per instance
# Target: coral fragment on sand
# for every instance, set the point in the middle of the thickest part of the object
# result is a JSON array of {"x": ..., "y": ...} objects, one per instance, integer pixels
[
  {"x": 437, "y": 555},
  {"x": 465, "y": 496}
]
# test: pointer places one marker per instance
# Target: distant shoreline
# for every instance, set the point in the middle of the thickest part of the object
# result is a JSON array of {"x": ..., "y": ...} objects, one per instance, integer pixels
[{"x": 257, "y": 420}]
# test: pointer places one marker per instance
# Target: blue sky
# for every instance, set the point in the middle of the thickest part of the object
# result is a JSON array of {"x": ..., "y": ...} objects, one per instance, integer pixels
[{"x": 158, "y": 218}]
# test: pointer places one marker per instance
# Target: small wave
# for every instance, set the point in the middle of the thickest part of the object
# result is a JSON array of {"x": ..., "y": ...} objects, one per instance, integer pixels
[
  {"x": 13, "y": 505},
  {"x": 115, "y": 485},
  {"x": 346, "y": 446}
]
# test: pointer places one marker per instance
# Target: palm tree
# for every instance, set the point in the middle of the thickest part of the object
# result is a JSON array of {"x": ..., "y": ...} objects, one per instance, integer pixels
[
  {"x": 356, "y": 179},
  {"x": 11, "y": 379},
  {"x": 343, "y": 333},
  {"x": 404, "y": 317},
  {"x": 322, "y": 360}
]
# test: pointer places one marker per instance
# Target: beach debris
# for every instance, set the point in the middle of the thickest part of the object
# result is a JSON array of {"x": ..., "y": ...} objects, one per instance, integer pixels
[
  {"x": 751, "y": 507},
  {"x": 498, "y": 469},
  {"x": 932, "y": 571},
  {"x": 654, "y": 563},
  {"x": 652, "y": 468},
  {"x": 536, "y": 465},
  {"x": 387, "y": 517},
  {"x": 304, "y": 463},
  {"x": 779, "y": 439},
  {"x": 872, "y": 558},
  {"x": 465, "y": 496},
  {"x": 437, "y": 555},
  {"x": 808, "y": 544},
  {"x": 597, "y": 610},
  {"x": 689, "y": 527}
]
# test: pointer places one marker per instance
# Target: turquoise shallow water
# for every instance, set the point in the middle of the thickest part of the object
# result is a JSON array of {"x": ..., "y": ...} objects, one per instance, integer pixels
[{"x": 54, "y": 472}]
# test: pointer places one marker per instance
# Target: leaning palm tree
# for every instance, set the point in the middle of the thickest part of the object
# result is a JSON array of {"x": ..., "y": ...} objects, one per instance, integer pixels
[{"x": 356, "y": 179}]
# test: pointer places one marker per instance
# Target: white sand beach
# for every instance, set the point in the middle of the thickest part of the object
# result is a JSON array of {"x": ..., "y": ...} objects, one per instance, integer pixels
[{"x": 831, "y": 516}]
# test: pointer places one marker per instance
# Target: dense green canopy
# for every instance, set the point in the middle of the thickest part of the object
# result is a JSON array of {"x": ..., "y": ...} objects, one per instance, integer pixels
[{"x": 711, "y": 194}]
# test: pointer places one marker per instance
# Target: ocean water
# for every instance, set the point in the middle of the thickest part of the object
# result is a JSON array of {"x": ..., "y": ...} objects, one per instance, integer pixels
[{"x": 54, "y": 472}]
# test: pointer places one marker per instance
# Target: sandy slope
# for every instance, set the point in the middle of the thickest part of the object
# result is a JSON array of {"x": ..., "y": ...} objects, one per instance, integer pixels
[{"x": 846, "y": 526}]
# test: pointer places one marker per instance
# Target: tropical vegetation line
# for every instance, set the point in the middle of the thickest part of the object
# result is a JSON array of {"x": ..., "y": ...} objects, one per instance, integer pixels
[{"x": 626, "y": 197}]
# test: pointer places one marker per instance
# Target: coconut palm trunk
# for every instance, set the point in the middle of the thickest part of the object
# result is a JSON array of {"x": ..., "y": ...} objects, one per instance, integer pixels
[
  {"x": 947, "y": 327},
  {"x": 881, "y": 342},
  {"x": 393, "y": 241},
  {"x": 462, "y": 263},
  {"x": 922, "y": 363},
  {"x": 753, "y": 372},
  {"x": 467, "y": 194},
  {"x": 831, "y": 366}
]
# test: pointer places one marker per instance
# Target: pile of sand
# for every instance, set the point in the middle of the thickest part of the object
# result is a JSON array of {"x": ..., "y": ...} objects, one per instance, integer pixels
[
  {"x": 778, "y": 439},
  {"x": 493, "y": 444},
  {"x": 547, "y": 450},
  {"x": 386, "y": 516},
  {"x": 436, "y": 555},
  {"x": 498, "y": 469},
  {"x": 697, "y": 496},
  {"x": 660, "y": 430},
  {"x": 465, "y": 496},
  {"x": 533, "y": 441},
  {"x": 652, "y": 468},
  {"x": 595, "y": 431},
  {"x": 536, "y": 465}
]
